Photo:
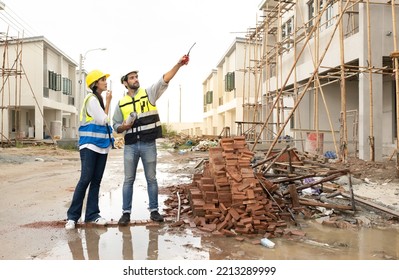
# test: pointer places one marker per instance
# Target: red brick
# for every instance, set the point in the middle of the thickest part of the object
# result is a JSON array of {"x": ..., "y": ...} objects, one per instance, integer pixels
[{"x": 234, "y": 214}]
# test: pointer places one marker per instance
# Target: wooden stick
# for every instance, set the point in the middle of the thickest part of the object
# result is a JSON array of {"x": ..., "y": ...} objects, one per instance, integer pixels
[
  {"x": 326, "y": 179},
  {"x": 369, "y": 203},
  {"x": 351, "y": 192},
  {"x": 309, "y": 202},
  {"x": 275, "y": 159}
]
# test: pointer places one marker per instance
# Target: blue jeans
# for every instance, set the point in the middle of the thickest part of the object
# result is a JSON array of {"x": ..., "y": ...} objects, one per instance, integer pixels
[
  {"x": 92, "y": 165},
  {"x": 147, "y": 151}
]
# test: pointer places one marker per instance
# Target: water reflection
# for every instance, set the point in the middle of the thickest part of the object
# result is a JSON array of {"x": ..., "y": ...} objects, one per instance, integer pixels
[
  {"x": 130, "y": 243},
  {"x": 141, "y": 242},
  {"x": 88, "y": 238},
  {"x": 127, "y": 244}
]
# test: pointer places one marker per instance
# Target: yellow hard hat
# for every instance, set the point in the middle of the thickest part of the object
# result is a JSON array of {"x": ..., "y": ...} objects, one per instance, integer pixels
[{"x": 94, "y": 76}]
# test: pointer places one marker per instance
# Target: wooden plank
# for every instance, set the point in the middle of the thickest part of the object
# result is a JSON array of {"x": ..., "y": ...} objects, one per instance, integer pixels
[
  {"x": 314, "y": 203},
  {"x": 369, "y": 203},
  {"x": 294, "y": 195}
]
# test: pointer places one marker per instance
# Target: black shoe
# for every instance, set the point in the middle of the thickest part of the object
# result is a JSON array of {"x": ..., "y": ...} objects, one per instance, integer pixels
[
  {"x": 155, "y": 216},
  {"x": 124, "y": 220}
]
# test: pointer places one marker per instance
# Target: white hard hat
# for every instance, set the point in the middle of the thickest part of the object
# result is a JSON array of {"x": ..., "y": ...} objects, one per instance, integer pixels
[{"x": 124, "y": 76}]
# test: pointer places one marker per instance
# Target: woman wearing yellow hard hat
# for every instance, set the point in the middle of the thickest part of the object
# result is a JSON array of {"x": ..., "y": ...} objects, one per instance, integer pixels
[{"x": 95, "y": 142}]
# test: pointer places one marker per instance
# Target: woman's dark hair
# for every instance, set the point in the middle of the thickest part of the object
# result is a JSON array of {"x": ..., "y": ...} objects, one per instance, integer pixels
[{"x": 98, "y": 95}]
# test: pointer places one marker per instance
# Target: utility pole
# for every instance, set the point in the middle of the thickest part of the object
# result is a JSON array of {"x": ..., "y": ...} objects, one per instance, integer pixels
[{"x": 80, "y": 95}]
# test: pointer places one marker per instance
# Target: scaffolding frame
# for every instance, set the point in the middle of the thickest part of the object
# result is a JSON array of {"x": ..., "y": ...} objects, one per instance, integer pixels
[
  {"x": 14, "y": 69},
  {"x": 9, "y": 70},
  {"x": 268, "y": 63}
]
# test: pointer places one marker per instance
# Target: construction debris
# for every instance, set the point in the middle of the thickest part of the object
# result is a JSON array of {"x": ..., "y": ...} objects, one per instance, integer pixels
[{"x": 234, "y": 194}]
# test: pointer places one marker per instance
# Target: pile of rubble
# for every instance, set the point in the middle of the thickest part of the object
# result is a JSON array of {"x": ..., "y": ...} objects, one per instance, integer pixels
[
  {"x": 235, "y": 195},
  {"x": 228, "y": 196}
]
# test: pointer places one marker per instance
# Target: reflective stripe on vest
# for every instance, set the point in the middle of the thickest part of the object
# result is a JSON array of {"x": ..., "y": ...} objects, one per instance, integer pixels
[
  {"x": 147, "y": 126},
  {"x": 92, "y": 133}
]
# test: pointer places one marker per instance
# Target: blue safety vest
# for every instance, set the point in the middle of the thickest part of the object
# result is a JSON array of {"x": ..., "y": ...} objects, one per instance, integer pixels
[{"x": 92, "y": 133}]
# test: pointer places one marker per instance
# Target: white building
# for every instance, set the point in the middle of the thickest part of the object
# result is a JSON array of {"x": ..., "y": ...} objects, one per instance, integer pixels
[
  {"x": 225, "y": 91},
  {"x": 327, "y": 78},
  {"x": 39, "y": 90}
]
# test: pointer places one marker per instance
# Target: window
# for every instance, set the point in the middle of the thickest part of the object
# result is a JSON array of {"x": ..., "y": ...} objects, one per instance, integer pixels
[
  {"x": 66, "y": 86},
  {"x": 287, "y": 30},
  {"x": 229, "y": 83},
  {"x": 71, "y": 100},
  {"x": 51, "y": 84},
  {"x": 329, "y": 15},
  {"x": 310, "y": 13},
  {"x": 54, "y": 81},
  {"x": 272, "y": 70},
  {"x": 209, "y": 97},
  {"x": 58, "y": 82}
]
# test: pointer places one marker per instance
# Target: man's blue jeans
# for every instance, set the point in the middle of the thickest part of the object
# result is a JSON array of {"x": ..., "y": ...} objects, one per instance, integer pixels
[
  {"x": 147, "y": 151},
  {"x": 92, "y": 170}
]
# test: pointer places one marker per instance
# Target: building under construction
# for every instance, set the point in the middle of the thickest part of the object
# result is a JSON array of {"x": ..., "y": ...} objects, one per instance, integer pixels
[
  {"x": 37, "y": 91},
  {"x": 321, "y": 75},
  {"x": 318, "y": 74}
]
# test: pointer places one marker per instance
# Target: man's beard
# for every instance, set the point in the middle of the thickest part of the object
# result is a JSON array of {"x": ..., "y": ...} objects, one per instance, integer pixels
[{"x": 134, "y": 86}]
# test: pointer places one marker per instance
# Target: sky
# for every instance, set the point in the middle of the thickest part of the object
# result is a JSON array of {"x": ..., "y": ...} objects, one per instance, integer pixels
[{"x": 147, "y": 35}]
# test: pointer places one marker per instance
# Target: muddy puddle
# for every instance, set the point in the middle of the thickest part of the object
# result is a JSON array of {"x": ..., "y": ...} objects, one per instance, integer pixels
[{"x": 163, "y": 242}]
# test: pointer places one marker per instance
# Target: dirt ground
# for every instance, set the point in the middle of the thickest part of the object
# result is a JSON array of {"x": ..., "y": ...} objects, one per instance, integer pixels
[{"x": 37, "y": 182}]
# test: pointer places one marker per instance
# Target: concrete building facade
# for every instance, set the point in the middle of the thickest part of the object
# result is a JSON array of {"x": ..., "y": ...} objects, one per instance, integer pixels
[
  {"x": 225, "y": 92},
  {"x": 324, "y": 69},
  {"x": 38, "y": 91}
]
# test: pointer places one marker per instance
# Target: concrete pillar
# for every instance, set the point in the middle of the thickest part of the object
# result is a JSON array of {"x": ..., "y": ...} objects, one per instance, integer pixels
[{"x": 39, "y": 122}]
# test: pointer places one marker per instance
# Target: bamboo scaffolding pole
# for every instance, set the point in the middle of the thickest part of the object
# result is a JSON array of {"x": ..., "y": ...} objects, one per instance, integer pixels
[
  {"x": 257, "y": 81},
  {"x": 371, "y": 137},
  {"x": 316, "y": 88},
  {"x": 344, "y": 132},
  {"x": 18, "y": 82},
  {"x": 37, "y": 103},
  {"x": 247, "y": 42},
  {"x": 2, "y": 88},
  {"x": 269, "y": 134},
  {"x": 313, "y": 74},
  {"x": 279, "y": 63},
  {"x": 263, "y": 98},
  {"x": 297, "y": 116},
  {"x": 319, "y": 87},
  {"x": 16, "y": 100},
  {"x": 272, "y": 55},
  {"x": 251, "y": 63},
  {"x": 12, "y": 71},
  {"x": 289, "y": 74},
  {"x": 396, "y": 63},
  {"x": 329, "y": 118}
]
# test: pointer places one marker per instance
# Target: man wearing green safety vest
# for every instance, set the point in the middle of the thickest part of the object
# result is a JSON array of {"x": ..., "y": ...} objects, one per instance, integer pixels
[{"x": 140, "y": 136}]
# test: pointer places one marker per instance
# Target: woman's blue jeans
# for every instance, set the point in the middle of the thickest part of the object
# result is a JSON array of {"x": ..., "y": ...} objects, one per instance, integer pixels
[
  {"x": 92, "y": 170},
  {"x": 147, "y": 151}
]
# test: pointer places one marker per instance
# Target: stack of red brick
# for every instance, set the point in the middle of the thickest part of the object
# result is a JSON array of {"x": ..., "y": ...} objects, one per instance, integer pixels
[{"x": 227, "y": 197}]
